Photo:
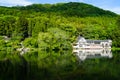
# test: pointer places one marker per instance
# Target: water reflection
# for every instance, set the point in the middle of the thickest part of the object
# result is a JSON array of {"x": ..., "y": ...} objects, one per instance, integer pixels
[{"x": 97, "y": 53}]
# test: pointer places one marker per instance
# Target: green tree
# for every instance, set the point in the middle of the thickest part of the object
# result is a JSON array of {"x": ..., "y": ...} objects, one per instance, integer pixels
[
  {"x": 54, "y": 39},
  {"x": 22, "y": 27}
]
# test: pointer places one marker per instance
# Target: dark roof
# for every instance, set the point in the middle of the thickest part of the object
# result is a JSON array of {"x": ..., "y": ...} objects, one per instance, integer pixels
[
  {"x": 91, "y": 41},
  {"x": 96, "y": 41}
]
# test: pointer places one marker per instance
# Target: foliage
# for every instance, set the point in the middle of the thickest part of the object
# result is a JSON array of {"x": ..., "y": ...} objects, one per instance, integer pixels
[
  {"x": 68, "y": 9},
  {"x": 54, "y": 39}
]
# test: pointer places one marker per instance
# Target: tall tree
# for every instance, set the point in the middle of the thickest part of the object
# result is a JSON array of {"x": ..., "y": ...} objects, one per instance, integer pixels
[{"x": 22, "y": 27}]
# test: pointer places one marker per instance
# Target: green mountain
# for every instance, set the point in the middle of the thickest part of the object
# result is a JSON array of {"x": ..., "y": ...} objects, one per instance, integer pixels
[
  {"x": 22, "y": 22},
  {"x": 66, "y": 9},
  {"x": 80, "y": 9}
]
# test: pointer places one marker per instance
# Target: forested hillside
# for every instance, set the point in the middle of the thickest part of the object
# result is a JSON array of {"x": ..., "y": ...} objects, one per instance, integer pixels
[
  {"x": 63, "y": 9},
  {"x": 25, "y": 23}
]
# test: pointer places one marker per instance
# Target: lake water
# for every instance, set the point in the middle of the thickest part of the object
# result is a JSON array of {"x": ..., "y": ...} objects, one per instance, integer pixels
[
  {"x": 100, "y": 64},
  {"x": 37, "y": 65}
]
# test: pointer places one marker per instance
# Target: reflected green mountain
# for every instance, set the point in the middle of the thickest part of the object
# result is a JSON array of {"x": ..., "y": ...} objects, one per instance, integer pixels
[{"x": 54, "y": 66}]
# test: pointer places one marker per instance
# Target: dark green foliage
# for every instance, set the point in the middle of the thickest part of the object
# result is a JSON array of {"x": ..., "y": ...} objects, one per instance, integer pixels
[
  {"x": 65, "y": 9},
  {"x": 7, "y": 25},
  {"x": 80, "y": 10},
  {"x": 118, "y": 22},
  {"x": 22, "y": 27},
  {"x": 2, "y": 29}
]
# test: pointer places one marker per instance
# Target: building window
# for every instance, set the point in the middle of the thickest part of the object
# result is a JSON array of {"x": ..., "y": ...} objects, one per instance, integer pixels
[{"x": 80, "y": 45}]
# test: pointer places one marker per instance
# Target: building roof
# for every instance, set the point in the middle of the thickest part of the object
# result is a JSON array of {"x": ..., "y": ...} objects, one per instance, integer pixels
[
  {"x": 96, "y": 41},
  {"x": 82, "y": 39}
]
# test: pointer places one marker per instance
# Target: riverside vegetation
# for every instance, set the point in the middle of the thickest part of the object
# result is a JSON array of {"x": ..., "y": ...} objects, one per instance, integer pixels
[{"x": 48, "y": 30}]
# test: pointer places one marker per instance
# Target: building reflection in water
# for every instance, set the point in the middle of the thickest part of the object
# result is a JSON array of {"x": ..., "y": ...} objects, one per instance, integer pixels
[{"x": 94, "y": 53}]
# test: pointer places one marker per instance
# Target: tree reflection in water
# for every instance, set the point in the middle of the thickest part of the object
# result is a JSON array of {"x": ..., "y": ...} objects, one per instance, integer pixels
[{"x": 61, "y": 66}]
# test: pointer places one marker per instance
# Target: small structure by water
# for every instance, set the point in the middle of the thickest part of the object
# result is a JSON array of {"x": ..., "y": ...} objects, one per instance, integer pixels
[
  {"x": 23, "y": 50},
  {"x": 83, "y": 43},
  {"x": 6, "y": 38}
]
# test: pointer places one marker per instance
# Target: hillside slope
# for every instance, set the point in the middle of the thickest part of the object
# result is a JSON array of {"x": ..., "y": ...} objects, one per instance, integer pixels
[{"x": 66, "y": 9}]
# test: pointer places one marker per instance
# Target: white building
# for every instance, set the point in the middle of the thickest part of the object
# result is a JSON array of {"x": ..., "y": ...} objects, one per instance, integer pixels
[{"x": 83, "y": 43}]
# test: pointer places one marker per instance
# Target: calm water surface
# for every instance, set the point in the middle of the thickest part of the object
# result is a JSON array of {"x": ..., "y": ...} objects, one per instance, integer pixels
[{"x": 84, "y": 65}]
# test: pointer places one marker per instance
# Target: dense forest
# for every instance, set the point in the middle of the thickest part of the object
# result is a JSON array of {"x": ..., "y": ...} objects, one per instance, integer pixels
[{"x": 48, "y": 31}]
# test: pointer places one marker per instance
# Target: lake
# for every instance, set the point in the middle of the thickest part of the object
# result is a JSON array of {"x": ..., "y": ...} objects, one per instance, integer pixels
[{"x": 37, "y": 65}]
